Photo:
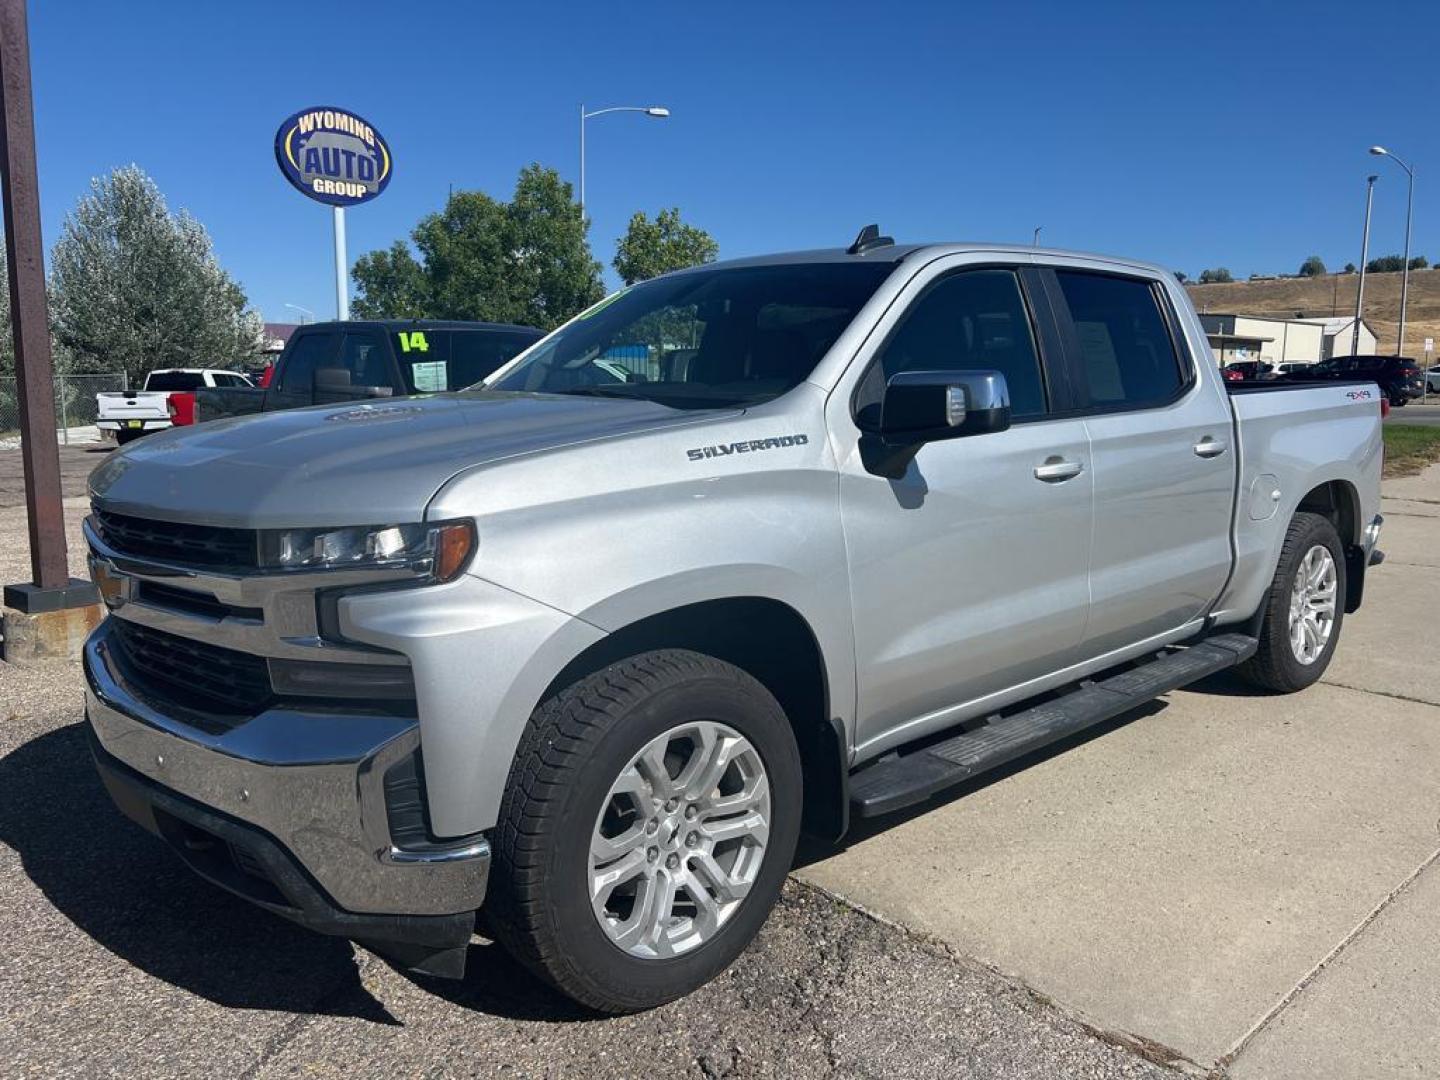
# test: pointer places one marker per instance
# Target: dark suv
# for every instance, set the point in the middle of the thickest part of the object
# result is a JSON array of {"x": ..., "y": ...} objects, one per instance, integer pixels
[{"x": 1397, "y": 376}]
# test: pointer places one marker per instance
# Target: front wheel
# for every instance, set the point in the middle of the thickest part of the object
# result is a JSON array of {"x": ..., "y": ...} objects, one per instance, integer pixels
[
  {"x": 648, "y": 824},
  {"x": 1302, "y": 610}
]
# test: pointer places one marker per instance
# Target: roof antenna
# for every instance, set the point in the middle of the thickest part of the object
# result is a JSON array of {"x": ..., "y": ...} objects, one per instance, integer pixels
[{"x": 869, "y": 238}]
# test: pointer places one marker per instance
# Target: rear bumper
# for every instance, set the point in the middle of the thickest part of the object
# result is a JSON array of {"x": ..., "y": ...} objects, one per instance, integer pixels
[
  {"x": 125, "y": 425},
  {"x": 289, "y": 810}
]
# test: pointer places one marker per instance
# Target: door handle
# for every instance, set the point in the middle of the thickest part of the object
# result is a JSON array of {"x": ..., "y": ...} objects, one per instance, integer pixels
[
  {"x": 1055, "y": 469},
  {"x": 1209, "y": 447}
]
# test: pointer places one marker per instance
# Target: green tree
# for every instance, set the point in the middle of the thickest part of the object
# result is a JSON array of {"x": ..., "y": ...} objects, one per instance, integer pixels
[
  {"x": 395, "y": 285},
  {"x": 1419, "y": 262},
  {"x": 651, "y": 248},
  {"x": 1349, "y": 268},
  {"x": 1218, "y": 276},
  {"x": 1181, "y": 276},
  {"x": 1312, "y": 267},
  {"x": 136, "y": 287},
  {"x": 525, "y": 261},
  {"x": 1386, "y": 264}
]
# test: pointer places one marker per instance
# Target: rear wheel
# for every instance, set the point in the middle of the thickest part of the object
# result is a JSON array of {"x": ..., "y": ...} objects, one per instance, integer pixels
[
  {"x": 648, "y": 825},
  {"x": 1303, "y": 609},
  {"x": 123, "y": 437}
]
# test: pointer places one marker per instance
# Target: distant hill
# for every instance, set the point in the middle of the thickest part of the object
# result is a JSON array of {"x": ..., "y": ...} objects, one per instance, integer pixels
[{"x": 1334, "y": 294}]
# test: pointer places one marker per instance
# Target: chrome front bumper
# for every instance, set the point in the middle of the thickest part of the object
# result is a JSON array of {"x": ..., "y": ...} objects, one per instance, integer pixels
[{"x": 311, "y": 782}]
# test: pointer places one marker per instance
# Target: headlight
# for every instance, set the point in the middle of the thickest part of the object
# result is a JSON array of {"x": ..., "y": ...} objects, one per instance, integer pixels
[{"x": 439, "y": 550}]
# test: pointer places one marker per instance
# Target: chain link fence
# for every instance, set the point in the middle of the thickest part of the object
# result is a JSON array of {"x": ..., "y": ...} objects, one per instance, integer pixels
[{"x": 75, "y": 407}]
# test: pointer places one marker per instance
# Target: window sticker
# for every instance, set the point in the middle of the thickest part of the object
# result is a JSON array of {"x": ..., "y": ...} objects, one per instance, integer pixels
[
  {"x": 429, "y": 377},
  {"x": 413, "y": 341}
]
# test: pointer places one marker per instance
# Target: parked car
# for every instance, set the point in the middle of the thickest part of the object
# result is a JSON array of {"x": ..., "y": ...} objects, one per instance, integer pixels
[
  {"x": 1432, "y": 380},
  {"x": 590, "y": 651},
  {"x": 329, "y": 363},
  {"x": 128, "y": 414},
  {"x": 1249, "y": 370},
  {"x": 1398, "y": 376}
]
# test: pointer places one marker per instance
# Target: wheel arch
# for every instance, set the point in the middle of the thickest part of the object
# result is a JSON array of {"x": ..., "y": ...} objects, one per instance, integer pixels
[
  {"x": 774, "y": 643},
  {"x": 1338, "y": 501}
]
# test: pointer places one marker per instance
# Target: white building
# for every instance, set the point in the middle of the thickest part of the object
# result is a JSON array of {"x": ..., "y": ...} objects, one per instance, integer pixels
[{"x": 1275, "y": 340}]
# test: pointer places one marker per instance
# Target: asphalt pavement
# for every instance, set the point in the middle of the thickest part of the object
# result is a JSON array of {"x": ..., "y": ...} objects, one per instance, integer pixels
[{"x": 1426, "y": 415}]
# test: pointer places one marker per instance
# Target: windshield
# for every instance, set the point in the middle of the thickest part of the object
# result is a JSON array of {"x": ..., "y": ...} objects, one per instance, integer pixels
[{"x": 704, "y": 339}]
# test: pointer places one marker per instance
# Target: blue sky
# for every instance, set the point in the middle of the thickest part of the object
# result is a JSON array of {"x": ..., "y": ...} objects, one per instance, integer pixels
[{"x": 1193, "y": 134}]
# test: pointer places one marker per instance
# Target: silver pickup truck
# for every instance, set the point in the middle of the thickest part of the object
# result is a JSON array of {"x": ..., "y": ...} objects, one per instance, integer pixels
[{"x": 755, "y": 547}]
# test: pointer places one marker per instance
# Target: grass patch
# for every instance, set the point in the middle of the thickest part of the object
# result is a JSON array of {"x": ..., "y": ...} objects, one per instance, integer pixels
[{"x": 1409, "y": 448}]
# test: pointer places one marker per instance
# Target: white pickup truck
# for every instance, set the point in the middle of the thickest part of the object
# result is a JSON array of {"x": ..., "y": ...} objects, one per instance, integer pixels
[
  {"x": 132, "y": 413},
  {"x": 584, "y": 649}
]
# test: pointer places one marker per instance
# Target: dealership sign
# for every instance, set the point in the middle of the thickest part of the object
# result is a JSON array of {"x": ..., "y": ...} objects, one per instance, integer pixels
[{"x": 333, "y": 156}]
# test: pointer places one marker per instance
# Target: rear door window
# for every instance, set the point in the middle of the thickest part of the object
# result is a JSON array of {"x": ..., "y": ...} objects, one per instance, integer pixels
[
  {"x": 1127, "y": 355},
  {"x": 477, "y": 354}
]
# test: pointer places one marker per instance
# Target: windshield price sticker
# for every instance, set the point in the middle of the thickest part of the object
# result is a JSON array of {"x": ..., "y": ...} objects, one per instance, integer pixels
[{"x": 430, "y": 377}]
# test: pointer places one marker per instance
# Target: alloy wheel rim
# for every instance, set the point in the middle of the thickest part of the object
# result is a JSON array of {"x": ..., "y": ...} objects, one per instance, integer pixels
[
  {"x": 679, "y": 840},
  {"x": 1312, "y": 605}
]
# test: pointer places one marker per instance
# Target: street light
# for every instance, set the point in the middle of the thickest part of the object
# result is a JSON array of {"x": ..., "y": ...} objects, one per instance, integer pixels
[
  {"x": 303, "y": 311},
  {"x": 1364, "y": 258},
  {"x": 1035, "y": 240},
  {"x": 1380, "y": 151},
  {"x": 659, "y": 112}
]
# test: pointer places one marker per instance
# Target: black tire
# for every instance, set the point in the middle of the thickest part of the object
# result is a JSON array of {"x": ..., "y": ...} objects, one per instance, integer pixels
[
  {"x": 1274, "y": 665},
  {"x": 576, "y": 745},
  {"x": 123, "y": 437},
  {"x": 1399, "y": 400}
]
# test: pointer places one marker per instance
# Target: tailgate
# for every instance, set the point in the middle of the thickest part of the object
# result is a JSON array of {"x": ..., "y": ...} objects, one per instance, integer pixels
[{"x": 141, "y": 405}]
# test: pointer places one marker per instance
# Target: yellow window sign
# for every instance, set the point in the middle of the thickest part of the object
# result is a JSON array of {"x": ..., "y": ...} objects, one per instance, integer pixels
[{"x": 413, "y": 341}]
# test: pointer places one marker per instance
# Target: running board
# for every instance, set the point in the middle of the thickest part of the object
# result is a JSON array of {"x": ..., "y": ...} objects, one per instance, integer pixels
[{"x": 895, "y": 783}]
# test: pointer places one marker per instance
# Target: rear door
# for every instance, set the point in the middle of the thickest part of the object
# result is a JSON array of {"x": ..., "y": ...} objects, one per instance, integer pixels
[
  {"x": 968, "y": 574},
  {"x": 1164, "y": 468}
]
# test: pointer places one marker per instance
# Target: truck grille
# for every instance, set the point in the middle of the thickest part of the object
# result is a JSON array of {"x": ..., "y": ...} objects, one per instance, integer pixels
[
  {"x": 173, "y": 541},
  {"x": 205, "y": 677}
]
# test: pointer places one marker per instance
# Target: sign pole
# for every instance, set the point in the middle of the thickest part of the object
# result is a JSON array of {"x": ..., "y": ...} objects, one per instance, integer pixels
[{"x": 342, "y": 276}]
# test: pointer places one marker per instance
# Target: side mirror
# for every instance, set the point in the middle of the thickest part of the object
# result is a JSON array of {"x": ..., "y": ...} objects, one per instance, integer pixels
[{"x": 926, "y": 406}]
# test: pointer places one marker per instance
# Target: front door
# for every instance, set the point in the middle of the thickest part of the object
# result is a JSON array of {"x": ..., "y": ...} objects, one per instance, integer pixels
[{"x": 969, "y": 572}]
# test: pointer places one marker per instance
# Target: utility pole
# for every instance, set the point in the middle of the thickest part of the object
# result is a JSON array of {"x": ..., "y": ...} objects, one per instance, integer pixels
[
  {"x": 1364, "y": 258},
  {"x": 52, "y": 588}
]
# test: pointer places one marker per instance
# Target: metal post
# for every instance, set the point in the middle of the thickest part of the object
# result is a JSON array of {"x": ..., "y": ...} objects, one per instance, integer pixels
[
  {"x": 1364, "y": 258},
  {"x": 34, "y": 370},
  {"x": 64, "y": 408},
  {"x": 1035, "y": 240},
  {"x": 582, "y": 161},
  {"x": 1405, "y": 277},
  {"x": 342, "y": 270}
]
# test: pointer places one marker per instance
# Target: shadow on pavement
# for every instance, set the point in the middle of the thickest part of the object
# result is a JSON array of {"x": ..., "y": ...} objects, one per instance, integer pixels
[{"x": 121, "y": 886}]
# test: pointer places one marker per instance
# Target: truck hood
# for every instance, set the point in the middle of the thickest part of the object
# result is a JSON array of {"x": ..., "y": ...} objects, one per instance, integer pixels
[{"x": 368, "y": 463}]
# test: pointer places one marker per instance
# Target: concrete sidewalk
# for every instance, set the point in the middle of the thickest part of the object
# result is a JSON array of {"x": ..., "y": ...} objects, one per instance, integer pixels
[{"x": 1247, "y": 882}]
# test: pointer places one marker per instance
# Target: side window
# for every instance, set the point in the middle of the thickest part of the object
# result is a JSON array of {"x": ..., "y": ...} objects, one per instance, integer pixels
[
  {"x": 972, "y": 320},
  {"x": 475, "y": 354},
  {"x": 1126, "y": 351},
  {"x": 364, "y": 361},
  {"x": 310, "y": 351}
]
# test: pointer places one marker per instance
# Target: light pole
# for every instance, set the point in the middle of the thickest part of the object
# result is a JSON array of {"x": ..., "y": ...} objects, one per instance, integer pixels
[
  {"x": 1035, "y": 240},
  {"x": 657, "y": 111},
  {"x": 1380, "y": 151},
  {"x": 1364, "y": 258},
  {"x": 303, "y": 311}
]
